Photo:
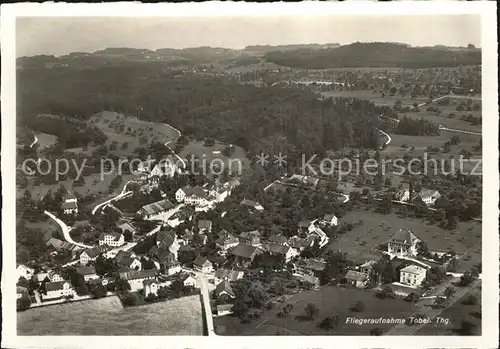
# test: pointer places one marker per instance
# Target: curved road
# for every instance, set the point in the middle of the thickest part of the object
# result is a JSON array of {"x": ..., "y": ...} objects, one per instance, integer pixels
[
  {"x": 65, "y": 230},
  {"x": 167, "y": 145},
  {"x": 389, "y": 139},
  {"x": 107, "y": 202}
]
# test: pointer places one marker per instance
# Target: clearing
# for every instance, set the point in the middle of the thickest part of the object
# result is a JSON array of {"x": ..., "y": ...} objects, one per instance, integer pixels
[{"x": 107, "y": 317}]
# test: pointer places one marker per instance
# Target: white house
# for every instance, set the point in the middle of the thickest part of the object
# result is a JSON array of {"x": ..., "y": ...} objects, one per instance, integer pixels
[
  {"x": 188, "y": 281},
  {"x": 155, "y": 209},
  {"x": 55, "y": 276},
  {"x": 226, "y": 241},
  {"x": 202, "y": 264},
  {"x": 329, "y": 219},
  {"x": 412, "y": 275},
  {"x": 89, "y": 255},
  {"x": 181, "y": 193},
  {"x": 403, "y": 243},
  {"x": 224, "y": 288},
  {"x": 428, "y": 196},
  {"x": 135, "y": 278},
  {"x": 151, "y": 286},
  {"x": 69, "y": 204},
  {"x": 25, "y": 272},
  {"x": 57, "y": 290},
  {"x": 111, "y": 239},
  {"x": 283, "y": 250},
  {"x": 165, "y": 167}
]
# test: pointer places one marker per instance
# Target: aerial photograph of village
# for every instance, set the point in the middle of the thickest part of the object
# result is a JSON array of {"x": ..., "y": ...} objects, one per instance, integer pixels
[{"x": 244, "y": 182}]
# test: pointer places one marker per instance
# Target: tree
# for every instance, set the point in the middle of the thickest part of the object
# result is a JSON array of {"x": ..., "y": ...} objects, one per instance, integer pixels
[
  {"x": 329, "y": 322},
  {"x": 23, "y": 282},
  {"x": 209, "y": 142},
  {"x": 359, "y": 306},
  {"x": 449, "y": 292},
  {"x": 128, "y": 235},
  {"x": 452, "y": 265},
  {"x": 311, "y": 311},
  {"x": 98, "y": 291},
  {"x": 147, "y": 263},
  {"x": 122, "y": 286},
  {"x": 23, "y": 303},
  {"x": 440, "y": 302},
  {"x": 129, "y": 299},
  {"x": 376, "y": 331}
]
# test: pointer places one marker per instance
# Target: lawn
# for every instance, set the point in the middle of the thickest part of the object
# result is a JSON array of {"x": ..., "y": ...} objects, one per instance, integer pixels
[
  {"x": 107, "y": 317},
  {"x": 376, "y": 97},
  {"x": 330, "y": 300},
  {"x": 132, "y": 130},
  {"x": 456, "y": 314},
  {"x": 362, "y": 241},
  {"x": 198, "y": 149}
]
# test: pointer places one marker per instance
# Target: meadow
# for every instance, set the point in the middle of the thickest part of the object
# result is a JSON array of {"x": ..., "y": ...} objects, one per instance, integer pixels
[{"x": 107, "y": 317}]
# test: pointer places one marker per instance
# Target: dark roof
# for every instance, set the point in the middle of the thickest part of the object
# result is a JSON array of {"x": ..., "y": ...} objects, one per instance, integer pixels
[
  {"x": 226, "y": 238},
  {"x": 356, "y": 275},
  {"x": 166, "y": 237},
  {"x": 205, "y": 224},
  {"x": 231, "y": 275},
  {"x": 245, "y": 251},
  {"x": 279, "y": 239},
  {"x": 329, "y": 217},
  {"x": 249, "y": 203},
  {"x": 93, "y": 252},
  {"x": 250, "y": 234},
  {"x": 52, "y": 286},
  {"x": 277, "y": 248},
  {"x": 89, "y": 270},
  {"x": 405, "y": 237},
  {"x": 157, "y": 207},
  {"x": 60, "y": 245},
  {"x": 137, "y": 274},
  {"x": 68, "y": 205},
  {"x": 200, "y": 261},
  {"x": 127, "y": 226},
  {"x": 197, "y": 191},
  {"x": 224, "y": 286}
]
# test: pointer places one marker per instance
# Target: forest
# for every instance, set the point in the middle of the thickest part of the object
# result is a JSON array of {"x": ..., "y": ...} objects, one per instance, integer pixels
[
  {"x": 374, "y": 55},
  {"x": 268, "y": 119}
]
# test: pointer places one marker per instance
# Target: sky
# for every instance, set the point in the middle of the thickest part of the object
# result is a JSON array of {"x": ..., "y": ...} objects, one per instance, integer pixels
[{"x": 62, "y": 35}]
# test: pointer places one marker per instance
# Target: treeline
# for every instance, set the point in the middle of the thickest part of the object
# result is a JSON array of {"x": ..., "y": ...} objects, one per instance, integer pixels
[
  {"x": 374, "y": 55},
  {"x": 268, "y": 119},
  {"x": 416, "y": 127}
]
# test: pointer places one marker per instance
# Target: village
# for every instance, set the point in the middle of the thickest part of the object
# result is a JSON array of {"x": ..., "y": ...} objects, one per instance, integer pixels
[{"x": 173, "y": 259}]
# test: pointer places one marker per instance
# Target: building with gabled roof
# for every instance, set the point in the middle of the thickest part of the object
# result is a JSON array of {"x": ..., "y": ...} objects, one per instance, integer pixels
[
  {"x": 88, "y": 273},
  {"x": 112, "y": 239},
  {"x": 286, "y": 251},
  {"x": 278, "y": 239},
  {"x": 403, "y": 243},
  {"x": 224, "y": 288},
  {"x": 252, "y": 204},
  {"x": 155, "y": 209},
  {"x": 57, "y": 290},
  {"x": 204, "y": 225},
  {"x": 412, "y": 275},
  {"x": 202, "y": 264},
  {"x": 356, "y": 278},
  {"x": 250, "y": 237},
  {"x": 24, "y": 271},
  {"x": 245, "y": 252},
  {"x": 228, "y": 275},
  {"x": 60, "y": 246},
  {"x": 90, "y": 255}
]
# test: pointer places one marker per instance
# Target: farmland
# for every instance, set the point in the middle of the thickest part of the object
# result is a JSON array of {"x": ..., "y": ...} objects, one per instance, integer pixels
[
  {"x": 107, "y": 317},
  {"x": 330, "y": 300},
  {"x": 457, "y": 313},
  {"x": 362, "y": 241}
]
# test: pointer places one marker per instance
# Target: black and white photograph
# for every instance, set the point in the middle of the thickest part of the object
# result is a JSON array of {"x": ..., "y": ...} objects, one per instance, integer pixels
[{"x": 234, "y": 169}]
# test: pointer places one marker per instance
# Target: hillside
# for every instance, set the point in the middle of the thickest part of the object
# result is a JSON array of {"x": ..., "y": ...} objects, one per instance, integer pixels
[{"x": 374, "y": 55}]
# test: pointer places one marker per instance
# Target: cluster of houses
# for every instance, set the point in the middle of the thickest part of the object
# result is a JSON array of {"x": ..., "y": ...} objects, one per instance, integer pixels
[{"x": 428, "y": 196}]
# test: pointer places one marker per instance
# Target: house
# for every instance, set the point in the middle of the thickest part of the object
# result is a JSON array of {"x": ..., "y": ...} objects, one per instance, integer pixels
[
  {"x": 69, "y": 204},
  {"x": 278, "y": 239},
  {"x": 412, "y": 275},
  {"x": 136, "y": 277},
  {"x": 403, "y": 243},
  {"x": 166, "y": 167},
  {"x": 155, "y": 209},
  {"x": 329, "y": 219},
  {"x": 250, "y": 237},
  {"x": 41, "y": 277},
  {"x": 300, "y": 244},
  {"x": 88, "y": 273},
  {"x": 226, "y": 241},
  {"x": 287, "y": 252},
  {"x": 428, "y": 196},
  {"x": 55, "y": 276},
  {"x": 304, "y": 180},
  {"x": 124, "y": 259},
  {"x": 151, "y": 286},
  {"x": 62, "y": 246},
  {"x": 221, "y": 191},
  {"x": 224, "y": 309},
  {"x": 181, "y": 193},
  {"x": 405, "y": 290},
  {"x": 252, "y": 204},
  {"x": 308, "y": 280},
  {"x": 90, "y": 255},
  {"x": 224, "y": 288},
  {"x": 204, "y": 226},
  {"x": 167, "y": 238},
  {"x": 306, "y": 226},
  {"x": 309, "y": 266},
  {"x": 24, "y": 272},
  {"x": 168, "y": 262},
  {"x": 227, "y": 275},
  {"x": 188, "y": 280},
  {"x": 196, "y": 196},
  {"x": 245, "y": 252},
  {"x": 183, "y": 215},
  {"x": 57, "y": 290},
  {"x": 127, "y": 226},
  {"x": 202, "y": 264},
  {"x": 112, "y": 239},
  {"x": 356, "y": 279},
  {"x": 367, "y": 268}
]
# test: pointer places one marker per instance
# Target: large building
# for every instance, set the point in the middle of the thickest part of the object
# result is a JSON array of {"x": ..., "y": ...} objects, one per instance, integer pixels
[
  {"x": 57, "y": 290},
  {"x": 403, "y": 243},
  {"x": 155, "y": 209},
  {"x": 412, "y": 275},
  {"x": 69, "y": 204},
  {"x": 111, "y": 239}
]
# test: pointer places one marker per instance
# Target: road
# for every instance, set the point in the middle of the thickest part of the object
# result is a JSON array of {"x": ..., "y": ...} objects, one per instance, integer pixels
[
  {"x": 167, "y": 145},
  {"x": 118, "y": 197},
  {"x": 442, "y": 128},
  {"x": 406, "y": 330},
  {"x": 205, "y": 295},
  {"x": 389, "y": 139},
  {"x": 65, "y": 230},
  {"x": 35, "y": 141}
]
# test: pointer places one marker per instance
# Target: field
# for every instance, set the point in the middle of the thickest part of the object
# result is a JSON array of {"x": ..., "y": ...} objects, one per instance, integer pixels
[
  {"x": 201, "y": 152},
  {"x": 330, "y": 300},
  {"x": 456, "y": 313},
  {"x": 362, "y": 241},
  {"x": 107, "y": 317},
  {"x": 130, "y": 130},
  {"x": 376, "y": 97}
]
